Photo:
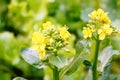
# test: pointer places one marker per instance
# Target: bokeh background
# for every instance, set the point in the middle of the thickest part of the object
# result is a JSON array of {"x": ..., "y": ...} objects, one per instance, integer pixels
[{"x": 19, "y": 18}]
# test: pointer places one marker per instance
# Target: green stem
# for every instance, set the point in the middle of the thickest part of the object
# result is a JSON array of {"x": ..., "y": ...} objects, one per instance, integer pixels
[
  {"x": 55, "y": 73},
  {"x": 94, "y": 68}
]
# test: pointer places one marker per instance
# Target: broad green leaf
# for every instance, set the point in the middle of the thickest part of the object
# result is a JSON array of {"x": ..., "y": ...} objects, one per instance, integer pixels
[
  {"x": 60, "y": 60},
  {"x": 115, "y": 42},
  {"x": 31, "y": 56},
  {"x": 105, "y": 56},
  {"x": 80, "y": 46},
  {"x": 114, "y": 77},
  {"x": 78, "y": 59},
  {"x": 4, "y": 75},
  {"x": 9, "y": 47},
  {"x": 74, "y": 66},
  {"x": 19, "y": 78},
  {"x": 106, "y": 72}
]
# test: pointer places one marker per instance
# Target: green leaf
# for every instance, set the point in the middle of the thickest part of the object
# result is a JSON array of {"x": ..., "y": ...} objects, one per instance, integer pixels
[
  {"x": 106, "y": 72},
  {"x": 115, "y": 42},
  {"x": 4, "y": 75},
  {"x": 59, "y": 61},
  {"x": 31, "y": 56},
  {"x": 74, "y": 66},
  {"x": 78, "y": 59},
  {"x": 80, "y": 46},
  {"x": 105, "y": 56}
]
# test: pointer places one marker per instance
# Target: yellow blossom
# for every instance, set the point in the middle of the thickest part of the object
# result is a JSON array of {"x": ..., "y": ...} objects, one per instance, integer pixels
[
  {"x": 37, "y": 38},
  {"x": 104, "y": 31},
  {"x": 49, "y": 41},
  {"x": 87, "y": 32},
  {"x": 117, "y": 33},
  {"x": 102, "y": 36},
  {"x": 64, "y": 33},
  {"x": 92, "y": 15},
  {"x": 38, "y": 41},
  {"x": 100, "y": 15},
  {"x": 42, "y": 51},
  {"x": 50, "y": 38},
  {"x": 109, "y": 31},
  {"x": 47, "y": 25}
]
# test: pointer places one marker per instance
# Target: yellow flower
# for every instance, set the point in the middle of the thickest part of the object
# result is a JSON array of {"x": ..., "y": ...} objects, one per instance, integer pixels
[
  {"x": 49, "y": 41},
  {"x": 117, "y": 33},
  {"x": 92, "y": 15},
  {"x": 47, "y": 25},
  {"x": 109, "y": 31},
  {"x": 104, "y": 31},
  {"x": 64, "y": 33},
  {"x": 37, "y": 38},
  {"x": 87, "y": 32},
  {"x": 42, "y": 51},
  {"x": 100, "y": 15},
  {"x": 38, "y": 41},
  {"x": 101, "y": 34},
  {"x": 49, "y": 38}
]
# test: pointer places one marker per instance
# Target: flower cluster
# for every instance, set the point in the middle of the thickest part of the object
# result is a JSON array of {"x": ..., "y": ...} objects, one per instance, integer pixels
[
  {"x": 49, "y": 39},
  {"x": 100, "y": 25},
  {"x": 100, "y": 16}
]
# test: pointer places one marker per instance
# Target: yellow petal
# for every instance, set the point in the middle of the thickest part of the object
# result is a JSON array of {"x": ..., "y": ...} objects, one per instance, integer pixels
[
  {"x": 101, "y": 36},
  {"x": 64, "y": 33},
  {"x": 99, "y": 31},
  {"x": 109, "y": 31},
  {"x": 47, "y": 25}
]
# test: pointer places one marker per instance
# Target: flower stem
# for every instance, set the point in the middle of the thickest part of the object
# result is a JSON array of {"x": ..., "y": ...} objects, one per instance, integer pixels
[
  {"x": 55, "y": 73},
  {"x": 94, "y": 67}
]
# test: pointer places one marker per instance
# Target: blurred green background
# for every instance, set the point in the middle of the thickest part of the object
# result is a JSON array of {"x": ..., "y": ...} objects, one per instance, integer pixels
[{"x": 19, "y": 18}]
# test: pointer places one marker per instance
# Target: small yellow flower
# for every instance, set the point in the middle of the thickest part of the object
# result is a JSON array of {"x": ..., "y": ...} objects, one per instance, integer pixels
[
  {"x": 38, "y": 41},
  {"x": 99, "y": 31},
  {"x": 92, "y": 15},
  {"x": 42, "y": 51},
  {"x": 49, "y": 38},
  {"x": 104, "y": 31},
  {"x": 49, "y": 41},
  {"x": 100, "y": 15},
  {"x": 102, "y": 36},
  {"x": 87, "y": 32},
  {"x": 37, "y": 38},
  {"x": 117, "y": 33},
  {"x": 109, "y": 31},
  {"x": 47, "y": 25},
  {"x": 64, "y": 33}
]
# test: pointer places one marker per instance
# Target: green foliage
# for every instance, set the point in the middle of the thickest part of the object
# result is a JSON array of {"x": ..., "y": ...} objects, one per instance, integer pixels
[
  {"x": 115, "y": 43},
  {"x": 19, "y": 18},
  {"x": 31, "y": 56},
  {"x": 105, "y": 56},
  {"x": 59, "y": 61}
]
